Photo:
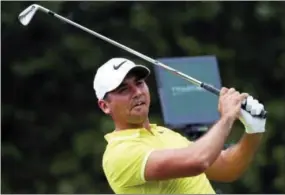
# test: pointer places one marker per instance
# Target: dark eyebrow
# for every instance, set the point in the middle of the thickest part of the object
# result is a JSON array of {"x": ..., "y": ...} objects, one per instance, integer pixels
[
  {"x": 125, "y": 84},
  {"x": 139, "y": 79},
  {"x": 121, "y": 86}
]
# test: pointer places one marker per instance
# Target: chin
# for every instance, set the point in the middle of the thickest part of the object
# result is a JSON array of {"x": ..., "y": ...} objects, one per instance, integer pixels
[{"x": 137, "y": 119}]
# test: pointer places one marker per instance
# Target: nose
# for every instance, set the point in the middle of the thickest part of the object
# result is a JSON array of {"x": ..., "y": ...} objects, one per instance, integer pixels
[{"x": 136, "y": 91}]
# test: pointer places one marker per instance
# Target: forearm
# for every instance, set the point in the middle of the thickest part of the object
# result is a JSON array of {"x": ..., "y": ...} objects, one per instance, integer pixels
[
  {"x": 209, "y": 147},
  {"x": 238, "y": 157}
]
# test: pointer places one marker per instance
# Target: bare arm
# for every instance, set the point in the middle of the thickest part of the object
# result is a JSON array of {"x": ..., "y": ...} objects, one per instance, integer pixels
[
  {"x": 233, "y": 162},
  {"x": 190, "y": 161},
  {"x": 199, "y": 156}
]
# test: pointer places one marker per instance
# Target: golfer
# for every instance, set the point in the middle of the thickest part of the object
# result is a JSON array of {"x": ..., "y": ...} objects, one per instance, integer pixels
[{"x": 144, "y": 158}]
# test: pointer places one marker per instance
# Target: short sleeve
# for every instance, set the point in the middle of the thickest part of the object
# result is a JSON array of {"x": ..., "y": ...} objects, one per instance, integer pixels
[{"x": 124, "y": 164}]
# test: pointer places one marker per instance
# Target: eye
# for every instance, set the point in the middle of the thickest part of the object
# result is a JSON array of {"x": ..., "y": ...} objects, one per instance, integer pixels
[{"x": 140, "y": 82}]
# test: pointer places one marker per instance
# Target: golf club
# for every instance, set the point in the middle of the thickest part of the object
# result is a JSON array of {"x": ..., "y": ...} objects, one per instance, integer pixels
[{"x": 26, "y": 16}]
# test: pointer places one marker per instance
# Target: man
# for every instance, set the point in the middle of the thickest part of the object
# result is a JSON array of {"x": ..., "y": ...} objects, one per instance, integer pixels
[{"x": 143, "y": 158}]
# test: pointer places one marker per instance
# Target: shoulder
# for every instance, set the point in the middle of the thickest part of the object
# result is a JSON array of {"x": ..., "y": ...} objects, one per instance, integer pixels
[
  {"x": 114, "y": 148},
  {"x": 124, "y": 162},
  {"x": 123, "y": 151}
]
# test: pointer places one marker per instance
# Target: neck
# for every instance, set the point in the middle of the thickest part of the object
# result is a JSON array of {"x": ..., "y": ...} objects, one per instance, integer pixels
[{"x": 125, "y": 126}]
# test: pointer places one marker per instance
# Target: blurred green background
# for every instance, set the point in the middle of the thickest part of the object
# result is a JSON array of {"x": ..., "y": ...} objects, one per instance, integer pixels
[{"x": 52, "y": 130}]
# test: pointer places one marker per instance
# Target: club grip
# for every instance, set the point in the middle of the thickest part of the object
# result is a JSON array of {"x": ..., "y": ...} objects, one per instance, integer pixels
[
  {"x": 216, "y": 91},
  {"x": 210, "y": 88}
]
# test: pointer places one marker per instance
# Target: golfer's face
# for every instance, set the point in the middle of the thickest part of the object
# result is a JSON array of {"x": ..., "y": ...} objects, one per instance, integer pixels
[{"x": 130, "y": 101}]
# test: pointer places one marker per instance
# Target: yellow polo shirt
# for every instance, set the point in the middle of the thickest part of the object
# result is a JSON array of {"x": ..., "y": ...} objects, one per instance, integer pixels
[{"x": 125, "y": 158}]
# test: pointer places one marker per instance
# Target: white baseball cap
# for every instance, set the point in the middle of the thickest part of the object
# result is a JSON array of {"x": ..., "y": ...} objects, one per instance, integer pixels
[{"x": 111, "y": 74}]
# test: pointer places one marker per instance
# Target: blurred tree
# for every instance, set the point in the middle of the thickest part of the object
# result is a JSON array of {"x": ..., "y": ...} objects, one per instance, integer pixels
[{"x": 52, "y": 129}]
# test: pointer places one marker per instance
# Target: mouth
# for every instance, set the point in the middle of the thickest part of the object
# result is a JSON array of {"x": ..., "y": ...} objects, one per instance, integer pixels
[{"x": 139, "y": 103}]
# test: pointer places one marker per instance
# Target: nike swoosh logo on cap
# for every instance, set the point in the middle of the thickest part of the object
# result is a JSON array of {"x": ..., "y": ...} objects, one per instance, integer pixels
[{"x": 116, "y": 67}]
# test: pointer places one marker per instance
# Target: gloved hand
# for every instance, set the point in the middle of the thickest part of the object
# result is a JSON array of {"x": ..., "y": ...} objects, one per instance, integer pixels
[{"x": 252, "y": 124}]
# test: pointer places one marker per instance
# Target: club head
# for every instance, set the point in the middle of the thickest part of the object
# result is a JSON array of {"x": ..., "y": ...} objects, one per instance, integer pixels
[{"x": 26, "y": 16}]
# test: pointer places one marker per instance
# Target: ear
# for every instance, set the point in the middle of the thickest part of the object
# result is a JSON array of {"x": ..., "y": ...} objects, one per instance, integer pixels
[{"x": 104, "y": 106}]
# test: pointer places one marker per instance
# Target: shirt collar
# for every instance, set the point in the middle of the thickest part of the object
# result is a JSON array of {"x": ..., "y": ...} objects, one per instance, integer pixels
[{"x": 128, "y": 133}]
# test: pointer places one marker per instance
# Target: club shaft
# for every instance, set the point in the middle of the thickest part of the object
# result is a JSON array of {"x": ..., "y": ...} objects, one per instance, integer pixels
[
  {"x": 194, "y": 81},
  {"x": 142, "y": 56}
]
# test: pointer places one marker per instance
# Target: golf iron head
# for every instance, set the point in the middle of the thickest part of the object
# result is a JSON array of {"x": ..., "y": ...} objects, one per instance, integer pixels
[{"x": 26, "y": 16}]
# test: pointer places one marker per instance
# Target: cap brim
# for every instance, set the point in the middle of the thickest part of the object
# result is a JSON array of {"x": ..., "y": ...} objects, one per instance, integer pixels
[{"x": 140, "y": 71}]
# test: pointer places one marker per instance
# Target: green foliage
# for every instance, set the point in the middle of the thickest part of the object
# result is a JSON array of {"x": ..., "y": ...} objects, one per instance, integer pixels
[{"x": 52, "y": 129}]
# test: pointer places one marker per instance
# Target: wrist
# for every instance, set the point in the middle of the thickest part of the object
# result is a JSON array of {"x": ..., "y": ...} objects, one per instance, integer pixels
[
  {"x": 251, "y": 140},
  {"x": 256, "y": 136},
  {"x": 227, "y": 119}
]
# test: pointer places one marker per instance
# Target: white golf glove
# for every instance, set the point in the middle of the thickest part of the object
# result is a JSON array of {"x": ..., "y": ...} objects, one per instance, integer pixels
[{"x": 252, "y": 124}]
